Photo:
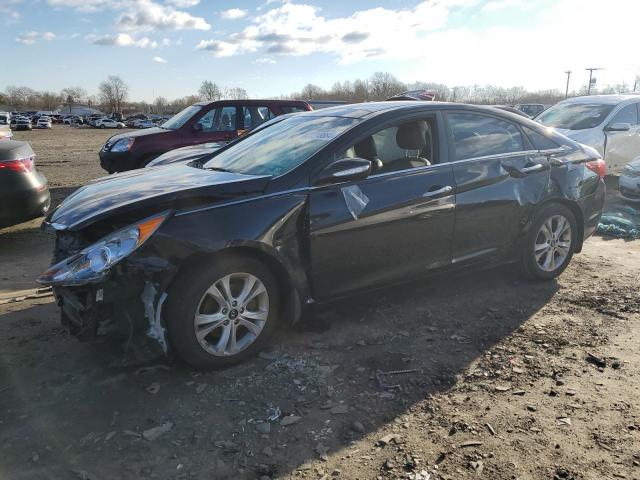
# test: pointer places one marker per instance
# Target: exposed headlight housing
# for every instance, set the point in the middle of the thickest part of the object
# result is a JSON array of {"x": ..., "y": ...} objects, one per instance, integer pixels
[
  {"x": 92, "y": 263},
  {"x": 123, "y": 145}
]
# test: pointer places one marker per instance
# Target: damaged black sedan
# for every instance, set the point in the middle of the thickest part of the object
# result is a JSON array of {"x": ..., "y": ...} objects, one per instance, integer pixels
[{"x": 207, "y": 258}]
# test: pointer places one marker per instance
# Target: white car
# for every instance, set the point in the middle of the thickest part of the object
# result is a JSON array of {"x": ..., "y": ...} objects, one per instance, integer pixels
[
  {"x": 43, "y": 122},
  {"x": 108, "y": 123},
  {"x": 608, "y": 123}
]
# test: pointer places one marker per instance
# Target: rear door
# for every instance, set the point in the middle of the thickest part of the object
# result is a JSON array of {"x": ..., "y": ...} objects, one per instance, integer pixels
[
  {"x": 393, "y": 225},
  {"x": 499, "y": 178},
  {"x": 622, "y": 147}
]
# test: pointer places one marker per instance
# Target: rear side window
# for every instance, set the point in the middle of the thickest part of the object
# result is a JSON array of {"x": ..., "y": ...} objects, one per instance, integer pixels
[
  {"x": 480, "y": 135},
  {"x": 540, "y": 141},
  {"x": 252, "y": 116},
  {"x": 219, "y": 120},
  {"x": 628, "y": 114},
  {"x": 292, "y": 109}
]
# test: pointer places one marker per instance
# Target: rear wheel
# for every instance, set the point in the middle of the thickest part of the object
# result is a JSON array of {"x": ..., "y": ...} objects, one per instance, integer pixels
[
  {"x": 221, "y": 314},
  {"x": 102, "y": 126},
  {"x": 550, "y": 243}
]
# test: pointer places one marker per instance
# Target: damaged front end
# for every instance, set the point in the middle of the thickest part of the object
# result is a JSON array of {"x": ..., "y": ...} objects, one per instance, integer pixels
[{"x": 106, "y": 287}]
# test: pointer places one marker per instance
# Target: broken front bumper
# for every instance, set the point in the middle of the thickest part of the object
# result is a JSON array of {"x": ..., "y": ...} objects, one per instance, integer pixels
[{"x": 126, "y": 308}]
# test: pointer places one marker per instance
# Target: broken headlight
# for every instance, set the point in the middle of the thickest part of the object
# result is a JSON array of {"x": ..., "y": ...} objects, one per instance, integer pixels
[{"x": 94, "y": 261}]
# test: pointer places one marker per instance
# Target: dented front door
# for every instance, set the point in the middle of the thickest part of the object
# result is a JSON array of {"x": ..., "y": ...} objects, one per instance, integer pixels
[{"x": 386, "y": 228}]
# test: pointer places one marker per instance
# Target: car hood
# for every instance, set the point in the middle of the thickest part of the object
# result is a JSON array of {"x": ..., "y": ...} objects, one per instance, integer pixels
[
  {"x": 138, "y": 133},
  {"x": 184, "y": 154},
  {"x": 161, "y": 188}
]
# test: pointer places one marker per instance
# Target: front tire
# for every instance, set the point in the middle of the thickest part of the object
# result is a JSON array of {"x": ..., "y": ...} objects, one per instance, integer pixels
[
  {"x": 550, "y": 243},
  {"x": 223, "y": 313}
]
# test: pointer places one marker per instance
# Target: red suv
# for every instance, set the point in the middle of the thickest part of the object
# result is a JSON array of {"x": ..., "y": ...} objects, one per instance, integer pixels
[{"x": 223, "y": 120}]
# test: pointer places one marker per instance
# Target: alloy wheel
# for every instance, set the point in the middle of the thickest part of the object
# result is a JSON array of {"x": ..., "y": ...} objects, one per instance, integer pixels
[
  {"x": 231, "y": 314},
  {"x": 553, "y": 243}
]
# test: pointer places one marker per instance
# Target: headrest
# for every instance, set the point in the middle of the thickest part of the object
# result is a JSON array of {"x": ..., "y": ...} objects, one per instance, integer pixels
[
  {"x": 411, "y": 137},
  {"x": 366, "y": 149}
]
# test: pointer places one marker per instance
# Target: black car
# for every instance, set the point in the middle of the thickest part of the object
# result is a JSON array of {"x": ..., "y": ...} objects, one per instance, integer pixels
[
  {"x": 207, "y": 258},
  {"x": 24, "y": 192}
]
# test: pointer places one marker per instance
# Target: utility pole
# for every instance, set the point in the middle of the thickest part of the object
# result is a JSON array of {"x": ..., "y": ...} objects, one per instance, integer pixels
[
  {"x": 566, "y": 92},
  {"x": 591, "y": 70}
]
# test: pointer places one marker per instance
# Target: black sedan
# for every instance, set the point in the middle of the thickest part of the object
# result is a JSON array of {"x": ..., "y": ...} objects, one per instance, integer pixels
[
  {"x": 208, "y": 258},
  {"x": 24, "y": 192}
]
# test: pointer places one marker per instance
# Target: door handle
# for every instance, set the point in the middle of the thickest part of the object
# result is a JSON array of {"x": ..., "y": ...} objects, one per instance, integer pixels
[
  {"x": 532, "y": 168},
  {"x": 440, "y": 191}
]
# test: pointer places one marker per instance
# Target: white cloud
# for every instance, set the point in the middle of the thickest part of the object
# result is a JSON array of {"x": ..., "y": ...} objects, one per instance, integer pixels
[
  {"x": 263, "y": 60},
  {"x": 233, "y": 14},
  {"x": 142, "y": 14},
  {"x": 496, "y": 5},
  {"x": 148, "y": 15},
  {"x": 183, "y": 3},
  {"x": 30, "y": 38},
  {"x": 299, "y": 29},
  {"x": 159, "y": 60},
  {"x": 123, "y": 40}
]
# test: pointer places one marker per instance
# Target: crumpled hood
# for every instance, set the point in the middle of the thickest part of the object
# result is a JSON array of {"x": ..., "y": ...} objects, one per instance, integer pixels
[
  {"x": 159, "y": 187},
  {"x": 186, "y": 154}
]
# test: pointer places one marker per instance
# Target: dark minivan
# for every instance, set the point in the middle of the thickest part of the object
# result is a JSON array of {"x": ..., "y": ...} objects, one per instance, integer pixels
[{"x": 203, "y": 122}]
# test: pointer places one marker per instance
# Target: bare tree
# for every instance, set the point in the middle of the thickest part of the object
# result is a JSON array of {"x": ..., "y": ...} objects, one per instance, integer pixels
[
  {"x": 235, "y": 93},
  {"x": 383, "y": 85},
  {"x": 160, "y": 104},
  {"x": 114, "y": 92},
  {"x": 209, "y": 91}
]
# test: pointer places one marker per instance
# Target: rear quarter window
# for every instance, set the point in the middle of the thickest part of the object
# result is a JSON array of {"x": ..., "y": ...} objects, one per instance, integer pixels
[{"x": 539, "y": 140}]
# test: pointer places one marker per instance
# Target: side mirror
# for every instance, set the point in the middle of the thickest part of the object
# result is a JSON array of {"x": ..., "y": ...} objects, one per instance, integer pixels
[
  {"x": 345, "y": 170},
  {"x": 618, "y": 127},
  {"x": 197, "y": 127}
]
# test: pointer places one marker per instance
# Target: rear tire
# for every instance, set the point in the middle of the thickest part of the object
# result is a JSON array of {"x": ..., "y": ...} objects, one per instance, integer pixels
[
  {"x": 550, "y": 243},
  {"x": 222, "y": 313}
]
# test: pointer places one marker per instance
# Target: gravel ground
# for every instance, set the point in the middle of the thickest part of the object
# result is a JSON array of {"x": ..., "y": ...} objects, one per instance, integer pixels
[{"x": 487, "y": 376}]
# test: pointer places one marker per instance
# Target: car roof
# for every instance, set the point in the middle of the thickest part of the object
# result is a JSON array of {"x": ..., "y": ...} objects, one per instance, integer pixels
[
  {"x": 604, "y": 99},
  {"x": 252, "y": 102},
  {"x": 370, "y": 109}
]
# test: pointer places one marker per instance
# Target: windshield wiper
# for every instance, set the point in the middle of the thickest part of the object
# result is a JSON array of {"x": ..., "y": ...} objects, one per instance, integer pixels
[{"x": 218, "y": 169}]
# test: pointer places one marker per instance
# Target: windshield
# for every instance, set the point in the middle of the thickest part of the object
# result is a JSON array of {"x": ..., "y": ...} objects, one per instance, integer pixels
[
  {"x": 281, "y": 147},
  {"x": 575, "y": 116},
  {"x": 182, "y": 117}
]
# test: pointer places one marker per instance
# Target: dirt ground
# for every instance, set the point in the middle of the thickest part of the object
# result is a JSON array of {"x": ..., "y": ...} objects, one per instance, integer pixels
[{"x": 480, "y": 375}]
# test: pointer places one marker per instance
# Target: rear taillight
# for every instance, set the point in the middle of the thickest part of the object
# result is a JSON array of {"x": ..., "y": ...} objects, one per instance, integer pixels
[
  {"x": 24, "y": 165},
  {"x": 598, "y": 166}
]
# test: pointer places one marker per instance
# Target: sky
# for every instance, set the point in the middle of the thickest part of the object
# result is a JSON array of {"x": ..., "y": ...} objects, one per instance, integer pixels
[{"x": 273, "y": 47}]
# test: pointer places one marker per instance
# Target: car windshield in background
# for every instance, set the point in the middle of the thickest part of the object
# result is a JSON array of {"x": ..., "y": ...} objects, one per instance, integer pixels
[
  {"x": 281, "y": 147},
  {"x": 575, "y": 116},
  {"x": 180, "y": 118}
]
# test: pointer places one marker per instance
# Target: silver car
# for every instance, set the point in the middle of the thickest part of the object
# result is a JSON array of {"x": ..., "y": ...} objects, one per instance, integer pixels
[
  {"x": 609, "y": 123},
  {"x": 630, "y": 181}
]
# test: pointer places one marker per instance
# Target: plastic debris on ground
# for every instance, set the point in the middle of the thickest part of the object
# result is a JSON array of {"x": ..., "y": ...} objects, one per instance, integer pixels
[{"x": 623, "y": 222}]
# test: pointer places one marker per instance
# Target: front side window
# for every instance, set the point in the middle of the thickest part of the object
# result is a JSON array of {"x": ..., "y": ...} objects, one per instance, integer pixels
[
  {"x": 575, "y": 116},
  {"x": 252, "y": 116},
  {"x": 219, "y": 120},
  {"x": 480, "y": 135},
  {"x": 179, "y": 119},
  {"x": 398, "y": 147},
  {"x": 282, "y": 146},
  {"x": 628, "y": 114}
]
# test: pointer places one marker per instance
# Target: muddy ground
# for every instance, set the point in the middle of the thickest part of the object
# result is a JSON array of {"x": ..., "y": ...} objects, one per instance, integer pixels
[{"x": 492, "y": 377}]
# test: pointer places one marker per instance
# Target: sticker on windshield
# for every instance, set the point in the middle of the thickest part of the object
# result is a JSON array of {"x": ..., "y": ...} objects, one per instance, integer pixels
[
  {"x": 355, "y": 199},
  {"x": 323, "y": 135}
]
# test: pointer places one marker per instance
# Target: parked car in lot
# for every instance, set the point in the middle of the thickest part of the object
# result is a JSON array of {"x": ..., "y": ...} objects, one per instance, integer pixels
[
  {"x": 608, "y": 123},
  {"x": 220, "y": 121},
  {"x": 22, "y": 123},
  {"x": 24, "y": 192},
  {"x": 207, "y": 259},
  {"x": 531, "y": 109},
  {"x": 108, "y": 123},
  {"x": 629, "y": 181},
  {"x": 72, "y": 119},
  {"x": 43, "y": 122},
  {"x": 143, "y": 124}
]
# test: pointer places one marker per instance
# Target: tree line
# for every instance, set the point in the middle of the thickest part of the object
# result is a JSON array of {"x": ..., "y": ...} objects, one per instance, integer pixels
[{"x": 113, "y": 94}]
